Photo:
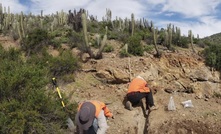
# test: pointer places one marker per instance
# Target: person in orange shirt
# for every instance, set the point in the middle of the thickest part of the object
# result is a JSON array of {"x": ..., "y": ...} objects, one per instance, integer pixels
[
  {"x": 138, "y": 89},
  {"x": 91, "y": 117}
]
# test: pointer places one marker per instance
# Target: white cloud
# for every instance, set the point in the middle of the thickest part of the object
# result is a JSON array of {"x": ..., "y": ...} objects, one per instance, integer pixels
[
  {"x": 52, "y": 6},
  {"x": 15, "y": 6},
  {"x": 207, "y": 26},
  {"x": 201, "y": 10},
  {"x": 119, "y": 8},
  {"x": 155, "y": 2},
  {"x": 191, "y": 8}
]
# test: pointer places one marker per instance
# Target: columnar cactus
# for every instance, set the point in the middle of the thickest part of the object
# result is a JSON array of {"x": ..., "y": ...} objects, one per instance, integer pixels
[
  {"x": 19, "y": 31},
  {"x": 98, "y": 55},
  {"x": 178, "y": 33},
  {"x": 191, "y": 40},
  {"x": 166, "y": 37},
  {"x": 84, "y": 24},
  {"x": 132, "y": 24},
  {"x": 41, "y": 22},
  {"x": 108, "y": 14},
  {"x": 41, "y": 13},
  {"x": 154, "y": 33},
  {"x": 170, "y": 38},
  {"x": 1, "y": 16},
  {"x": 22, "y": 24}
]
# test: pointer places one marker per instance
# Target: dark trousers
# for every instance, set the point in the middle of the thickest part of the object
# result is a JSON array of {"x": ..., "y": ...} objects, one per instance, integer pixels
[{"x": 135, "y": 98}]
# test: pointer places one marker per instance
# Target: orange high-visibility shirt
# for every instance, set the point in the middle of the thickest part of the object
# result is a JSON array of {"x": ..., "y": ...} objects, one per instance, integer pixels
[
  {"x": 138, "y": 85},
  {"x": 99, "y": 106}
]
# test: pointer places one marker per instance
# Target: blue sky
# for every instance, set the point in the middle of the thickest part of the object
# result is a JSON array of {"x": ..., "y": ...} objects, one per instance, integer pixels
[{"x": 203, "y": 17}]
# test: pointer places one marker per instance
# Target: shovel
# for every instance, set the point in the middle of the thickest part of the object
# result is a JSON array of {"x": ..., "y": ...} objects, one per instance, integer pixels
[{"x": 70, "y": 123}]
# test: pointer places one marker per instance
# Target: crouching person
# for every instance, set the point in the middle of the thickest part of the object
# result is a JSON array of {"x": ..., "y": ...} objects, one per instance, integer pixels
[
  {"x": 138, "y": 90},
  {"x": 91, "y": 117}
]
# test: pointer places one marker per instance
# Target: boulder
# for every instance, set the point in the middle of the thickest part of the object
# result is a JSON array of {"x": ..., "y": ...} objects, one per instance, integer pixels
[{"x": 114, "y": 76}]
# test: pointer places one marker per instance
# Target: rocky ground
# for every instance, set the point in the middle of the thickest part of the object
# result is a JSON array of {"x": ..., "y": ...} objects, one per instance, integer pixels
[{"x": 181, "y": 74}]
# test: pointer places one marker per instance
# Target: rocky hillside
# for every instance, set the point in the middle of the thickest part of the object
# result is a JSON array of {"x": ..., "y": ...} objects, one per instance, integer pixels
[
  {"x": 215, "y": 38},
  {"x": 180, "y": 74}
]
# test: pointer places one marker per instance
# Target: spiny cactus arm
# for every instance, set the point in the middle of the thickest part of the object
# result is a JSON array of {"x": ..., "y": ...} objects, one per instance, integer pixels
[
  {"x": 170, "y": 38},
  {"x": 133, "y": 24},
  {"x": 154, "y": 32},
  {"x": 103, "y": 44},
  {"x": 86, "y": 45},
  {"x": 191, "y": 40},
  {"x": 22, "y": 25},
  {"x": 19, "y": 31}
]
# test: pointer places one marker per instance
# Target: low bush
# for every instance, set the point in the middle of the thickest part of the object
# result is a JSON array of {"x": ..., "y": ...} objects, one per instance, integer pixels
[
  {"x": 134, "y": 46},
  {"x": 26, "y": 105}
]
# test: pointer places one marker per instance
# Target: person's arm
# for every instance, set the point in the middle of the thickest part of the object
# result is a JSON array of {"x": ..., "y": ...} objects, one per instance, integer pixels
[
  {"x": 107, "y": 112},
  {"x": 102, "y": 123}
]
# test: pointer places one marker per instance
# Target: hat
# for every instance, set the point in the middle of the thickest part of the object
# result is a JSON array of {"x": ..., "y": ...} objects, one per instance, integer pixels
[{"x": 85, "y": 115}]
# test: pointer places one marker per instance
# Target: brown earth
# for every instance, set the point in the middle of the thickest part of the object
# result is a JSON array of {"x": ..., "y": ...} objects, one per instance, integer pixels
[{"x": 203, "y": 118}]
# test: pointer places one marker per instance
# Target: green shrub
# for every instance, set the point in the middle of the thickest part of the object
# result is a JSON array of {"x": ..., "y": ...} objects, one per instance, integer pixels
[
  {"x": 26, "y": 106},
  {"x": 184, "y": 41},
  {"x": 134, "y": 46},
  {"x": 108, "y": 48},
  {"x": 76, "y": 39},
  {"x": 148, "y": 48},
  {"x": 213, "y": 56},
  {"x": 123, "y": 53},
  {"x": 64, "y": 64},
  {"x": 36, "y": 40}
]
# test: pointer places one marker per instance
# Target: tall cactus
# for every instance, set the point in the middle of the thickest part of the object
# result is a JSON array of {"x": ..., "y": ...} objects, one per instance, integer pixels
[
  {"x": 108, "y": 15},
  {"x": 84, "y": 24},
  {"x": 166, "y": 37},
  {"x": 132, "y": 24},
  {"x": 1, "y": 16},
  {"x": 170, "y": 38},
  {"x": 22, "y": 25},
  {"x": 154, "y": 32},
  {"x": 98, "y": 55},
  {"x": 103, "y": 44},
  {"x": 19, "y": 30},
  {"x": 191, "y": 40}
]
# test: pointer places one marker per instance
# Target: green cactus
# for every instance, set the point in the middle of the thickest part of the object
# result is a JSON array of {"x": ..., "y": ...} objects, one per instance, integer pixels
[
  {"x": 191, "y": 40},
  {"x": 8, "y": 19},
  {"x": 98, "y": 55},
  {"x": 170, "y": 38},
  {"x": 132, "y": 24},
  {"x": 108, "y": 14},
  {"x": 19, "y": 31},
  {"x": 1, "y": 16},
  {"x": 84, "y": 24},
  {"x": 41, "y": 13},
  {"x": 166, "y": 38},
  {"x": 22, "y": 25},
  {"x": 155, "y": 36}
]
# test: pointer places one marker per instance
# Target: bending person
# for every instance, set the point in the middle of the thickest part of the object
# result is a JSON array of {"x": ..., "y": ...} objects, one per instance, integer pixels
[
  {"x": 91, "y": 117},
  {"x": 138, "y": 90}
]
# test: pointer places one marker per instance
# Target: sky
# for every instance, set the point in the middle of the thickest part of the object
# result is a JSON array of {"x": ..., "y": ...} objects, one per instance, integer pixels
[{"x": 203, "y": 17}]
